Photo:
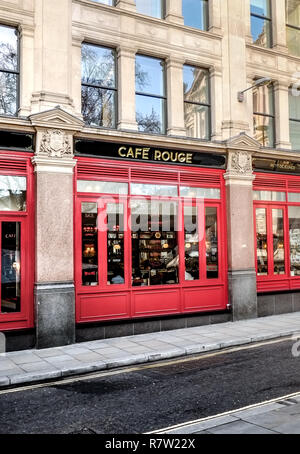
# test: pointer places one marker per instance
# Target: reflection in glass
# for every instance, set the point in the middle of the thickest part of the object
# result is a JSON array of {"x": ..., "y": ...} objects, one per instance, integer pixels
[
  {"x": 263, "y": 119},
  {"x": 191, "y": 243},
  {"x": 89, "y": 244},
  {"x": 98, "y": 86},
  {"x": 293, "y": 26},
  {"x": 195, "y": 13},
  {"x": 270, "y": 196},
  {"x": 200, "y": 193},
  {"x": 152, "y": 8},
  {"x": 102, "y": 187},
  {"x": 294, "y": 114},
  {"x": 150, "y": 114},
  {"x": 197, "y": 121},
  {"x": 155, "y": 257},
  {"x": 294, "y": 229},
  {"x": 294, "y": 197},
  {"x": 278, "y": 241},
  {"x": 115, "y": 244},
  {"x": 12, "y": 193},
  {"x": 293, "y": 41},
  {"x": 11, "y": 267},
  {"x": 261, "y": 25},
  {"x": 261, "y": 242},
  {"x": 211, "y": 241},
  {"x": 153, "y": 189},
  {"x": 106, "y": 2},
  {"x": 8, "y": 90}
]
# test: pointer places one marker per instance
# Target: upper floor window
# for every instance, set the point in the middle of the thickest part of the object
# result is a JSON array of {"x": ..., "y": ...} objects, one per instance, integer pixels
[
  {"x": 293, "y": 26},
  {"x": 154, "y": 8},
  {"x": 196, "y": 102},
  {"x": 150, "y": 94},
  {"x": 263, "y": 115},
  {"x": 294, "y": 109},
  {"x": 261, "y": 22},
  {"x": 195, "y": 13},
  {"x": 106, "y": 2},
  {"x": 99, "y": 90},
  {"x": 9, "y": 70}
]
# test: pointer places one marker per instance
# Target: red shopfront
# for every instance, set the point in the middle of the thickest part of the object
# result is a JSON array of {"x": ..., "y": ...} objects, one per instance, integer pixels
[
  {"x": 16, "y": 241},
  {"x": 162, "y": 250},
  {"x": 277, "y": 228}
]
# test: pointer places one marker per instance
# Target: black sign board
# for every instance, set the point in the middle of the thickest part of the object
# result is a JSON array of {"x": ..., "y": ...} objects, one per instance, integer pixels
[
  {"x": 276, "y": 165},
  {"x": 131, "y": 152},
  {"x": 12, "y": 140}
]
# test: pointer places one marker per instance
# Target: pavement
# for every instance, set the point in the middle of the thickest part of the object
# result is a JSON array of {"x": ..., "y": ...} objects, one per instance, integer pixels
[
  {"x": 31, "y": 366},
  {"x": 278, "y": 417}
]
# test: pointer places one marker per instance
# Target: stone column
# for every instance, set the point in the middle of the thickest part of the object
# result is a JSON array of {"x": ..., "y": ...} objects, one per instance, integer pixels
[
  {"x": 176, "y": 126},
  {"x": 279, "y": 25},
  {"x": 126, "y": 89},
  {"x": 241, "y": 261},
  {"x": 282, "y": 127},
  {"x": 126, "y": 4},
  {"x": 174, "y": 11}
]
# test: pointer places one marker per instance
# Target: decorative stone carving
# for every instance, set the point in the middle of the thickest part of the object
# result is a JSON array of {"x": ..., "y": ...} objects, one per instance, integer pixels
[
  {"x": 240, "y": 162},
  {"x": 55, "y": 143}
]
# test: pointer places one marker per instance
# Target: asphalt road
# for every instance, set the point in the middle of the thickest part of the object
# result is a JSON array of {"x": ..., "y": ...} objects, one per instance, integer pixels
[{"x": 156, "y": 397}]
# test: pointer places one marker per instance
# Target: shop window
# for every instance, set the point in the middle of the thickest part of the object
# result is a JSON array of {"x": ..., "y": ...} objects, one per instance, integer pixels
[
  {"x": 9, "y": 70},
  {"x": 99, "y": 89},
  {"x": 154, "y": 8},
  {"x": 102, "y": 187},
  {"x": 89, "y": 244},
  {"x": 200, "y": 193},
  {"x": 10, "y": 267},
  {"x": 294, "y": 113},
  {"x": 264, "y": 115},
  {"x": 261, "y": 22},
  {"x": 150, "y": 95},
  {"x": 195, "y": 13},
  {"x": 211, "y": 243},
  {"x": 293, "y": 26},
  {"x": 294, "y": 232},
  {"x": 115, "y": 244},
  {"x": 196, "y": 102},
  {"x": 12, "y": 193},
  {"x": 270, "y": 196},
  {"x": 153, "y": 189}
]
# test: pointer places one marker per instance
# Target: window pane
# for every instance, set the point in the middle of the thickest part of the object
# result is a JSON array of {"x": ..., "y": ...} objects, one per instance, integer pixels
[
  {"x": 200, "y": 193},
  {"x": 105, "y": 2},
  {"x": 8, "y": 48},
  {"x": 150, "y": 114},
  {"x": 153, "y": 189},
  {"x": 191, "y": 245},
  {"x": 294, "y": 197},
  {"x": 261, "y": 7},
  {"x": 89, "y": 244},
  {"x": 293, "y": 41},
  {"x": 11, "y": 267},
  {"x": 8, "y": 90},
  {"x": 278, "y": 241},
  {"x": 102, "y": 187},
  {"x": 196, "y": 84},
  {"x": 195, "y": 13},
  {"x": 150, "y": 8},
  {"x": 211, "y": 241},
  {"x": 269, "y": 196},
  {"x": 98, "y": 107},
  {"x": 12, "y": 193},
  {"x": 295, "y": 134},
  {"x": 155, "y": 257},
  {"x": 197, "y": 121},
  {"x": 293, "y": 12},
  {"x": 261, "y": 31},
  {"x": 264, "y": 130},
  {"x": 263, "y": 100},
  {"x": 294, "y": 228},
  {"x": 115, "y": 244},
  {"x": 261, "y": 242},
  {"x": 98, "y": 66},
  {"x": 149, "y": 75},
  {"x": 294, "y": 104}
]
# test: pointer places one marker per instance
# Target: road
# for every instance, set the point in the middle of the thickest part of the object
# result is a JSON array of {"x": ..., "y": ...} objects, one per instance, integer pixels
[{"x": 149, "y": 397}]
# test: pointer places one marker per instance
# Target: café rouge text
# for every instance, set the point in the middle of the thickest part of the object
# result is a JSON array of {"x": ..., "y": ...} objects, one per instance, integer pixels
[{"x": 155, "y": 155}]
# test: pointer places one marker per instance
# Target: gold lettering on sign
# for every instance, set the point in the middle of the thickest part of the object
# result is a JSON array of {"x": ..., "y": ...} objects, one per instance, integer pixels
[
  {"x": 121, "y": 152},
  {"x": 158, "y": 155}
]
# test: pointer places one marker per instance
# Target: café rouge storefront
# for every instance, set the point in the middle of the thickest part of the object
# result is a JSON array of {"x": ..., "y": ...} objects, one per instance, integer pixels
[{"x": 150, "y": 232}]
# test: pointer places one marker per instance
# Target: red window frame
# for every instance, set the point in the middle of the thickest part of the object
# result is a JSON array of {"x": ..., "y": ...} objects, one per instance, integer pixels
[
  {"x": 19, "y": 164},
  {"x": 191, "y": 296},
  {"x": 276, "y": 183}
]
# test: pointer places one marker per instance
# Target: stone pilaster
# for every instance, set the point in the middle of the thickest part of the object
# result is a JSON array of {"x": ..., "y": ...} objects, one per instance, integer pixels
[
  {"x": 174, "y": 11},
  {"x": 217, "y": 103},
  {"x": 176, "y": 125},
  {"x": 214, "y": 16},
  {"x": 126, "y": 85},
  {"x": 26, "y": 68},
  {"x": 54, "y": 274},
  {"x": 241, "y": 258},
  {"x": 279, "y": 25},
  {"x": 282, "y": 127}
]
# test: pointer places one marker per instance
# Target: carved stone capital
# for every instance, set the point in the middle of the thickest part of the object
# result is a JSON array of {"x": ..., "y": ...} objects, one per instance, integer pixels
[
  {"x": 54, "y": 143},
  {"x": 239, "y": 168}
]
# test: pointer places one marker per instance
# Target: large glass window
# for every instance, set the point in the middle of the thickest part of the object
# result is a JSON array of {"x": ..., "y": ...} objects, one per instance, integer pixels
[
  {"x": 150, "y": 94},
  {"x": 261, "y": 242},
  {"x": 294, "y": 229},
  {"x": 264, "y": 115},
  {"x": 294, "y": 109},
  {"x": 196, "y": 102},
  {"x": 293, "y": 26},
  {"x": 115, "y": 244},
  {"x": 9, "y": 70},
  {"x": 10, "y": 267},
  {"x": 261, "y": 22},
  {"x": 99, "y": 89},
  {"x": 195, "y": 13},
  {"x": 12, "y": 193},
  {"x": 89, "y": 215},
  {"x": 154, "y": 8}
]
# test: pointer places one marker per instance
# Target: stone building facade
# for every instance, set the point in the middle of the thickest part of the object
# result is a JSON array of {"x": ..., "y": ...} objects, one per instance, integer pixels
[{"x": 54, "y": 306}]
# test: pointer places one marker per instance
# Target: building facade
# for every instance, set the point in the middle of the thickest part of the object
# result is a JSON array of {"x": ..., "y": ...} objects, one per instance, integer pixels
[{"x": 113, "y": 114}]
